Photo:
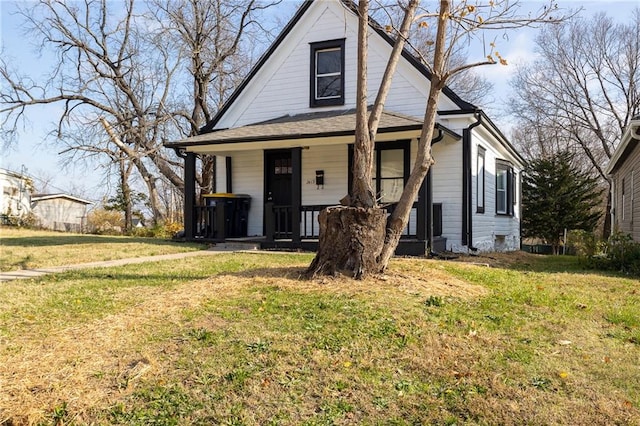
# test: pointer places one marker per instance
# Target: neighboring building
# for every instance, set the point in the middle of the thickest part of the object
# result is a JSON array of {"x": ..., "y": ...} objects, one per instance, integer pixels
[
  {"x": 60, "y": 212},
  {"x": 624, "y": 169},
  {"x": 15, "y": 198},
  {"x": 285, "y": 138}
]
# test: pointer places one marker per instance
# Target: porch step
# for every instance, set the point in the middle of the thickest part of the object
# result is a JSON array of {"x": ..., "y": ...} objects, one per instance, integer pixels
[{"x": 237, "y": 245}]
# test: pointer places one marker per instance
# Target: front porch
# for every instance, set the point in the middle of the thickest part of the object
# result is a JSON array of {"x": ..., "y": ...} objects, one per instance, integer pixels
[
  {"x": 216, "y": 223},
  {"x": 292, "y": 166}
]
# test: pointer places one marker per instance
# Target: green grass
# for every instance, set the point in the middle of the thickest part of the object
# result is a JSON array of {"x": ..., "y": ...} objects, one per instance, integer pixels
[
  {"x": 238, "y": 339},
  {"x": 27, "y": 249}
]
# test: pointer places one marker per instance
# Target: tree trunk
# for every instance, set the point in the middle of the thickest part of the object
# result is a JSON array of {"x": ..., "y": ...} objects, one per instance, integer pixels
[
  {"x": 351, "y": 240},
  {"x": 362, "y": 194}
]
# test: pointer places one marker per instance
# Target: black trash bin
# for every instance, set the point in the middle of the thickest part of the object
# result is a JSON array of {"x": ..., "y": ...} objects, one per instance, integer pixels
[{"x": 231, "y": 214}]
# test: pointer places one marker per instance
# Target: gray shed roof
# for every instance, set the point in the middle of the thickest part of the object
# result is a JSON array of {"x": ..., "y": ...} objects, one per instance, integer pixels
[{"x": 302, "y": 126}]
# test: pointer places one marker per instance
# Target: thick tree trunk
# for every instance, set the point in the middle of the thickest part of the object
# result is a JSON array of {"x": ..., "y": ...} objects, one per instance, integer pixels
[{"x": 351, "y": 240}]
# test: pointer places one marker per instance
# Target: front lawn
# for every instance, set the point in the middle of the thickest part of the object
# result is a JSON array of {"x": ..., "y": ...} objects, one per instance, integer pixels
[
  {"x": 240, "y": 339},
  {"x": 29, "y": 249}
]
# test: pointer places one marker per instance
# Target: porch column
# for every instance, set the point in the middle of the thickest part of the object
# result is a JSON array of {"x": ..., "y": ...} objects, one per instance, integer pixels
[
  {"x": 189, "y": 195},
  {"x": 296, "y": 193}
]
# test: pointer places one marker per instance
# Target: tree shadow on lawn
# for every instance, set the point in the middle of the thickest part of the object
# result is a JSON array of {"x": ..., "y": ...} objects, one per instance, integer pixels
[{"x": 62, "y": 240}]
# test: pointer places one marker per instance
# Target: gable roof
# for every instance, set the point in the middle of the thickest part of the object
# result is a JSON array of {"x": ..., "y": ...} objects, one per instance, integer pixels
[
  {"x": 350, "y": 5},
  {"x": 629, "y": 141}
]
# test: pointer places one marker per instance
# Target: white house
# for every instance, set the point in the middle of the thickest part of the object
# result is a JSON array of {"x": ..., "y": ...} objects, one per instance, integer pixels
[
  {"x": 624, "y": 169},
  {"x": 285, "y": 137},
  {"x": 60, "y": 212},
  {"x": 15, "y": 198}
]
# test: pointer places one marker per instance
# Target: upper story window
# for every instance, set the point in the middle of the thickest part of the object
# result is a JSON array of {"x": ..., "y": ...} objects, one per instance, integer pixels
[{"x": 327, "y": 73}]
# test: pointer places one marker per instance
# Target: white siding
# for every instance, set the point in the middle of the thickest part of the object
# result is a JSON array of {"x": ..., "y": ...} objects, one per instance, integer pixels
[
  {"x": 247, "y": 175},
  {"x": 492, "y": 232},
  {"x": 281, "y": 86},
  {"x": 447, "y": 189},
  {"x": 333, "y": 161},
  {"x": 221, "y": 173},
  {"x": 15, "y": 198}
]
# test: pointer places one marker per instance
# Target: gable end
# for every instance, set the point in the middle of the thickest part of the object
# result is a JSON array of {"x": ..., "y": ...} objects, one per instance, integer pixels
[{"x": 350, "y": 5}]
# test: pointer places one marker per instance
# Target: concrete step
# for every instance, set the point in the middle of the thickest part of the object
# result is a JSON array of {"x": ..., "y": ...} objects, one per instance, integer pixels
[{"x": 237, "y": 245}]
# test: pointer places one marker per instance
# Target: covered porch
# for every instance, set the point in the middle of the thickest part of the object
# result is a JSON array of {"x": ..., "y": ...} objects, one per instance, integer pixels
[{"x": 304, "y": 169}]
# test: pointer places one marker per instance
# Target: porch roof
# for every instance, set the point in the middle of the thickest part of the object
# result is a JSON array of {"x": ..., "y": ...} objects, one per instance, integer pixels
[{"x": 334, "y": 124}]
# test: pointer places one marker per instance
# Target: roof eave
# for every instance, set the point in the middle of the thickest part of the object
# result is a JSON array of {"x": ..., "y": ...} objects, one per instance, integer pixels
[
  {"x": 631, "y": 133},
  {"x": 185, "y": 143}
]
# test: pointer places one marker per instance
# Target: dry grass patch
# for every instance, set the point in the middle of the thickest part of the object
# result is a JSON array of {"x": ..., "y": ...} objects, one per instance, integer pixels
[
  {"x": 30, "y": 249},
  {"x": 243, "y": 341}
]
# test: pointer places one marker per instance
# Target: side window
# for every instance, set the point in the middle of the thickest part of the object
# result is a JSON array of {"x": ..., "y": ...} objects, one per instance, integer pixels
[
  {"x": 505, "y": 188},
  {"x": 327, "y": 73},
  {"x": 480, "y": 180}
]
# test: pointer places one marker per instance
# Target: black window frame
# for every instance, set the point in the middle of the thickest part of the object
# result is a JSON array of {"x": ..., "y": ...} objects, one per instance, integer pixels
[
  {"x": 480, "y": 195},
  {"x": 404, "y": 145},
  {"x": 510, "y": 183},
  {"x": 316, "y": 47}
]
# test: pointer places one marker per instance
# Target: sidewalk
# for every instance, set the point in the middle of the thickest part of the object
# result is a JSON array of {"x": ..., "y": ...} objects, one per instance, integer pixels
[{"x": 34, "y": 273}]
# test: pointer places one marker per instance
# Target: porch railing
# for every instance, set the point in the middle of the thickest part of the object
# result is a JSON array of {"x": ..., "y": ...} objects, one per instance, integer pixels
[
  {"x": 278, "y": 223},
  {"x": 309, "y": 226},
  {"x": 205, "y": 223}
]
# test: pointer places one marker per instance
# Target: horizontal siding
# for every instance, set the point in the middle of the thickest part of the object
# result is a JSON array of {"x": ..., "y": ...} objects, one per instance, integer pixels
[
  {"x": 247, "y": 176},
  {"x": 281, "y": 87},
  {"x": 491, "y": 231},
  {"x": 447, "y": 189},
  {"x": 221, "y": 174},
  {"x": 331, "y": 159},
  {"x": 629, "y": 223}
]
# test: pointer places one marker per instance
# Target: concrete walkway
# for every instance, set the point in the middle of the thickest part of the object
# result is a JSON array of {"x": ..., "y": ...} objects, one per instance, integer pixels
[{"x": 34, "y": 273}]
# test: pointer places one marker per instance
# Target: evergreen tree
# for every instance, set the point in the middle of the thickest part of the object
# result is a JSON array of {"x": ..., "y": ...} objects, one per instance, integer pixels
[{"x": 557, "y": 195}]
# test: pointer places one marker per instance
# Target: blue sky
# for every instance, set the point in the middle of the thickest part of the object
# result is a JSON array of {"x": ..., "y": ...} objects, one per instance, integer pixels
[{"x": 42, "y": 159}]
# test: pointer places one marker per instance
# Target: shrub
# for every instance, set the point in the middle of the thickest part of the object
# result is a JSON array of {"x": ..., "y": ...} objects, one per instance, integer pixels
[
  {"x": 28, "y": 220},
  {"x": 583, "y": 243},
  {"x": 105, "y": 222},
  {"x": 166, "y": 230},
  {"x": 621, "y": 253}
]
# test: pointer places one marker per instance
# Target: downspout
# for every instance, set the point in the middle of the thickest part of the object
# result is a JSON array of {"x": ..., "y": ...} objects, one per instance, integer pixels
[{"x": 467, "y": 193}]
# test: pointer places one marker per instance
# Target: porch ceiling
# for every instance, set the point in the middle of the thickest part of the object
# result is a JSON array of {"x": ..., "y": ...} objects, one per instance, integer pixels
[{"x": 326, "y": 128}]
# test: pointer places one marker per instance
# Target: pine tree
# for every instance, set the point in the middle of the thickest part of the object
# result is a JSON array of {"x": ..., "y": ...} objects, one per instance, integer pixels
[{"x": 557, "y": 195}]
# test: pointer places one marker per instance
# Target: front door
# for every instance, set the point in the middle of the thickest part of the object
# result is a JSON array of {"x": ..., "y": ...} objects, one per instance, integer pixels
[{"x": 279, "y": 189}]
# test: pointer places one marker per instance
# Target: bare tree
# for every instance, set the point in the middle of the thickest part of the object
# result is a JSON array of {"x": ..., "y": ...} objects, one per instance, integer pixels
[
  {"x": 121, "y": 70},
  {"x": 581, "y": 92},
  {"x": 209, "y": 34},
  {"x": 349, "y": 235}
]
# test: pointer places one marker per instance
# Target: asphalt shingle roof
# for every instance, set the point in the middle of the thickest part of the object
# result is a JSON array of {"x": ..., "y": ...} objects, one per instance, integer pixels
[{"x": 300, "y": 126}]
